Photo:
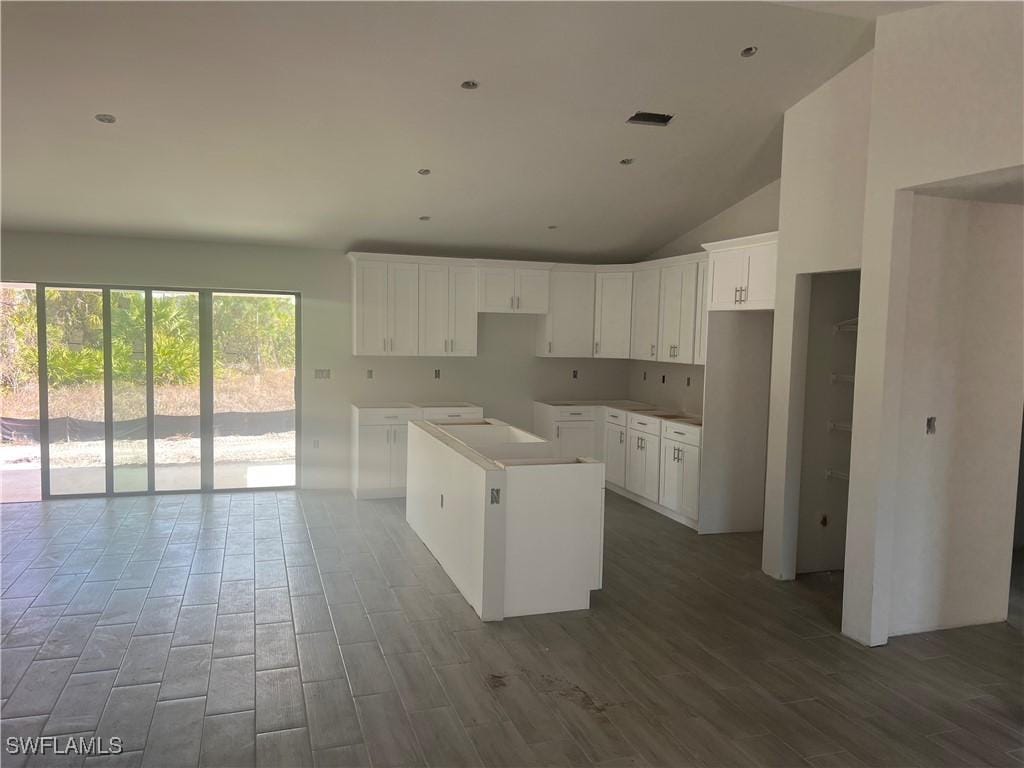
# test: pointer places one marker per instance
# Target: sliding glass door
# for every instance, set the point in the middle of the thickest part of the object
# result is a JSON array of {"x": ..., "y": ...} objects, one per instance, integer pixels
[
  {"x": 253, "y": 390},
  {"x": 148, "y": 389},
  {"x": 20, "y": 448}
]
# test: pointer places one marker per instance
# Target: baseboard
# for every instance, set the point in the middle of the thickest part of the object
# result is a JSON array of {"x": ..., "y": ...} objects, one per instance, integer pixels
[{"x": 675, "y": 516}]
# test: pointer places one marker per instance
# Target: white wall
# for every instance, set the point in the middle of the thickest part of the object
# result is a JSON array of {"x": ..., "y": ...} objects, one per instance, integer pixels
[
  {"x": 821, "y": 217},
  {"x": 945, "y": 103},
  {"x": 752, "y": 215},
  {"x": 963, "y": 354},
  {"x": 504, "y": 378}
]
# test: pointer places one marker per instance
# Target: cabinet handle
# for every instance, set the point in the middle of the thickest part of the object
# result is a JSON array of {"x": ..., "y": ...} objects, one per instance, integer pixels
[
  {"x": 597, "y": 347},
  {"x": 517, "y": 302},
  {"x": 446, "y": 346},
  {"x": 512, "y": 302},
  {"x": 652, "y": 350},
  {"x": 735, "y": 295},
  {"x": 622, "y": 437},
  {"x": 385, "y": 342},
  {"x": 549, "y": 346},
  {"x": 558, "y": 432},
  {"x": 743, "y": 294}
]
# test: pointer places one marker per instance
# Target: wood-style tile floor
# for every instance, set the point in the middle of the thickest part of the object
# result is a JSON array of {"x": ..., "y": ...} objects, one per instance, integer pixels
[{"x": 286, "y": 629}]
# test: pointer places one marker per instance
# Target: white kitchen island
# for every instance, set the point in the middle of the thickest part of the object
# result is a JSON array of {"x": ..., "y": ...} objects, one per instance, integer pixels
[{"x": 517, "y": 528}]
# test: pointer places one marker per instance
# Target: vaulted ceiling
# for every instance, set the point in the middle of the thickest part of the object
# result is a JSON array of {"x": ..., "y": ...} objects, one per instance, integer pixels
[{"x": 306, "y": 123}]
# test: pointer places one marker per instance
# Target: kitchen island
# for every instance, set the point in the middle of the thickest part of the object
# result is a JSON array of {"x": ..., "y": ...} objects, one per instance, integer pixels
[{"x": 518, "y": 528}]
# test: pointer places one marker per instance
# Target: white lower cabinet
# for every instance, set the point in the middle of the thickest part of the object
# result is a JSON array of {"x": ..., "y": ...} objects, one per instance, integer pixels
[
  {"x": 379, "y": 445},
  {"x": 680, "y": 478},
  {"x": 575, "y": 438},
  {"x": 615, "y": 455},
  {"x": 642, "y": 464}
]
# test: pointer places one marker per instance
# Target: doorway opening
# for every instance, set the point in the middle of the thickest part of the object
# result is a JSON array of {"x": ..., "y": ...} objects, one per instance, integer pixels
[{"x": 828, "y": 430}]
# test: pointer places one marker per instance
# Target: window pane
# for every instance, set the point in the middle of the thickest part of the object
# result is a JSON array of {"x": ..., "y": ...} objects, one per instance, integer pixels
[
  {"x": 253, "y": 390},
  {"x": 176, "y": 389},
  {"x": 19, "y": 394},
  {"x": 74, "y": 371},
  {"x": 128, "y": 380}
]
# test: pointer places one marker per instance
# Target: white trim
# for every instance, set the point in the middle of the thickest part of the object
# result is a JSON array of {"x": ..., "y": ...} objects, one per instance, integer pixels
[{"x": 741, "y": 242}]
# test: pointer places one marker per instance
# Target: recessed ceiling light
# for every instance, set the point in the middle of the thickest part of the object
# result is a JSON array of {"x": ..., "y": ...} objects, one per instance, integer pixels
[
  {"x": 423, "y": 171},
  {"x": 627, "y": 161},
  {"x": 424, "y": 218},
  {"x": 552, "y": 226},
  {"x": 105, "y": 118},
  {"x": 749, "y": 51},
  {"x": 470, "y": 85}
]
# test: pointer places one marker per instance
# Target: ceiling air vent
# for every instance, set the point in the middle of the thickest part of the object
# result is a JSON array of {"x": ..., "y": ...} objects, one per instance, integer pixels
[{"x": 650, "y": 118}]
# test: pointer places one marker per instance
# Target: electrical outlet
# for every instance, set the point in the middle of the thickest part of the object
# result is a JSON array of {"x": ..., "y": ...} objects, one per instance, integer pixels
[
  {"x": 437, "y": 373},
  {"x": 316, "y": 443},
  {"x": 321, "y": 373},
  {"x": 663, "y": 378},
  {"x": 687, "y": 381},
  {"x": 645, "y": 375},
  {"x": 575, "y": 373},
  {"x": 929, "y": 425},
  {"x": 369, "y": 373}
]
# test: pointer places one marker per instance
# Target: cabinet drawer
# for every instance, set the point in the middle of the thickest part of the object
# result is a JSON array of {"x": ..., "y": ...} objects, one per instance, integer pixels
[
  {"x": 453, "y": 414},
  {"x": 374, "y": 416},
  {"x": 615, "y": 416},
  {"x": 683, "y": 433},
  {"x": 574, "y": 413},
  {"x": 642, "y": 423}
]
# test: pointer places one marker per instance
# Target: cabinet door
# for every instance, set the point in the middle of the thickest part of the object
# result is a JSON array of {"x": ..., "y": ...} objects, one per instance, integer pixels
[
  {"x": 374, "y": 445},
  {"x": 497, "y": 289},
  {"x": 671, "y": 307},
  {"x": 462, "y": 311},
  {"x": 634, "y": 462},
  {"x": 370, "y": 308},
  {"x": 644, "y": 322},
  {"x": 671, "y": 475},
  {"x": 760, "y": 292},
  {"x": 688, "y": 316},
  {"x": 434, "y": 311},
  {"x": 569, "y": 324},
  {"x": 403, "y": 309},
  {"x": 700, "y": 331},
  {"x": 651, "y": 447},
  {"x": 575, "y": 438},
  {"x": 728, "y": 275},
  {"x": 399, "y": 445},
  {"x": 689, "y": 494},
  {"x": 615, "y": 455},
  {"x": 532, "y": 291},
  {"x": 613, "y": 303}
]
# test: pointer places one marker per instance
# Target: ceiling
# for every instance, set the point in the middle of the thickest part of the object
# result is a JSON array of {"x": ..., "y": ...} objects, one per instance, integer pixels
[
  {"x": 305, "y": 123},
  {"x": 1005, "y": 185}
]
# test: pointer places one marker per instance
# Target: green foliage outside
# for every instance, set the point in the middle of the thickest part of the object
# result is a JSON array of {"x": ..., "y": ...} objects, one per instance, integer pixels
[{"x": 251, "y": 334}]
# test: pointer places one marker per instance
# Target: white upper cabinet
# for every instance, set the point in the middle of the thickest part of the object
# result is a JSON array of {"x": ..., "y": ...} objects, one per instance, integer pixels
[
  {"x": 497, "y": 291},
  {"x": 700, "y": 331},
  {"x": 370, "y": 308},
  {"x": 434, "y": 310},
  {"x": 447, "y": 305},
  {"x": 511, "y": 289},
  {"x": 613, "y": 297},
  {"x": 742, "y": 272},
  {"x": 568, "y": 328},
  {"x": 403, "y": 308},
  {"x": 532, "y": 291},
  {"x": 462, "y": 311},
  {"x": 385, "y": 308},
  {"x": 644, "y": 325},
  {"x": 680, "y": 307}
]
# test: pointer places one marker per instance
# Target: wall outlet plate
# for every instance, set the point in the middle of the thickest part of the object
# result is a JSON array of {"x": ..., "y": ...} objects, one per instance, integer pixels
[
  {"x": 437, "y": 373},
  {"x": 369, "y": 373},
  {"x": 575, "y": 373}
]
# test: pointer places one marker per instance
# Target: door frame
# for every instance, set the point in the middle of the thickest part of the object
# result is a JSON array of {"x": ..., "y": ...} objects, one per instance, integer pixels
[{"x": 205, "y": 388}]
